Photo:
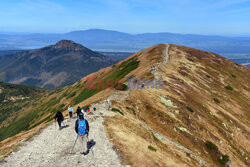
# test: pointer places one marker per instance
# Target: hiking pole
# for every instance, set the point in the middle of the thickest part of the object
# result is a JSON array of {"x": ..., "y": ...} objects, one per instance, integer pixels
[{"x": 74, "y": 144}]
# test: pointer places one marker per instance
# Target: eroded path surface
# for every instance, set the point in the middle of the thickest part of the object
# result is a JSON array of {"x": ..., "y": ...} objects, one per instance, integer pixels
[
  {"x": 165, "y": 58},
  {"x": 52, "y": 147}
]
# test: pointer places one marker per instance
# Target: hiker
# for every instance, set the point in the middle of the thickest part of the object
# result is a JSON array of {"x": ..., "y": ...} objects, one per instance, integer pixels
[
  {"x": 59, "y": 118},
  {"x": 82, "y": 130},
  {"x": 94, "y": 108},
  {"x": 78, "y": 111},
  {"x": 85, "y": 109},
  {"x": 88, "y": 109},
  {"x": 71, "y": 110},
  {"x": 108, "y": 101}
]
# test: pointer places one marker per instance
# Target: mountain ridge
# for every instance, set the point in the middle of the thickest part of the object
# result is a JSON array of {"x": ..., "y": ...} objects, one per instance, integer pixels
[{"x": 199, "y": 115}]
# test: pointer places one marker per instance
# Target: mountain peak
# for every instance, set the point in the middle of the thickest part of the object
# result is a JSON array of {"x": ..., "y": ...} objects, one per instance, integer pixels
[{"x": 69, "y": 45}]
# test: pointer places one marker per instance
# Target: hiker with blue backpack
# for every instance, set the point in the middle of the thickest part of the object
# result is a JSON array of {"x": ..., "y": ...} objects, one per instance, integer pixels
[{"x": 82, "y": 130}]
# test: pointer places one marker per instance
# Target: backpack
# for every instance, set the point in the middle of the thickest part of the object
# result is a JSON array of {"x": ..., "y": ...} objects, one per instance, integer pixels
[{"x": 82, "y": 128}]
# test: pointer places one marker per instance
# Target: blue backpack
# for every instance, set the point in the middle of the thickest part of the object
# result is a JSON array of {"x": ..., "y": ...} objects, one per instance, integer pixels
[{"x": 82, "y": 127}]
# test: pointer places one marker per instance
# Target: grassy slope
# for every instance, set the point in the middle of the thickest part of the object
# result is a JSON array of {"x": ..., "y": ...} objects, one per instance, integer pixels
[
  {"x": 39, "y": 111},
  {"x": 12, "y": 100},
  {"x": 192, "y": 79}
]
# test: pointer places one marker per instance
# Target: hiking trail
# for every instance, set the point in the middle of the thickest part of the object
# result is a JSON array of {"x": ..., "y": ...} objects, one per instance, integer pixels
[
  {"x": 165, "y": 58},
  {"x": 52, "y": 147}
]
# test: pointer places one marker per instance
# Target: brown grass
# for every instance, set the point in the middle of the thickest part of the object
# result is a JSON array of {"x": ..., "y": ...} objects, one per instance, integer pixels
[{"x": 185, "y": 84}]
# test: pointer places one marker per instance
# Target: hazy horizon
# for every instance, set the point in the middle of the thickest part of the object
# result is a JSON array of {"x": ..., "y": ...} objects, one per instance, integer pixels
[{"x": 52, "y": 32}]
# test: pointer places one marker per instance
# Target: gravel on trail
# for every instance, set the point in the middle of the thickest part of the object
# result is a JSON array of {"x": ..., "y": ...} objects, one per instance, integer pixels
[{"x": 53, "y": 147}]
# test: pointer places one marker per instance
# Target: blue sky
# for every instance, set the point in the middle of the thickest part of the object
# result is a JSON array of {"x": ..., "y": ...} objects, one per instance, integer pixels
[{"x": 220, "y": 17}]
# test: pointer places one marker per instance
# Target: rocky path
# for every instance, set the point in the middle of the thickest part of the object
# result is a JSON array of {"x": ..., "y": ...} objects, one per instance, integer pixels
[
  {"x": 53, "y": 147},
  {"x": 165, "y": 57}
]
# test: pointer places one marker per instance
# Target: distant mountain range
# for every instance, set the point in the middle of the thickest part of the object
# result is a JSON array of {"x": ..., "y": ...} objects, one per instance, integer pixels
[
  {"x": 52, "y": 66},
  {"x": 106, "y": 40}
]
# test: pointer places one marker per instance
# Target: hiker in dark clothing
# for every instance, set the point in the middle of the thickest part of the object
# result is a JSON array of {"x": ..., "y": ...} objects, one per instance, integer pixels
[
  {"x": 94, "y": 108},
  {"x": 59, "y": 117},
  {"x": 82, "y": 130},
  {"x": 78, "y": 111}
]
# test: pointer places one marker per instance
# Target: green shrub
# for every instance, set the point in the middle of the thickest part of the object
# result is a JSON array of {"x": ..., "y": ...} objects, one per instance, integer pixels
[
  {"x": 121, "y": 87},
  {"x": 61, "y": 107},
  {"x": 216, "y": 100},
  {"x": 131, "y": 109},
  {"x": 52, "y": 102},
  {"x": 208, "y": 76},
  {"x": 190, "y": 109},
  {"x": 119, "y": 72},
  {"x": 85, "y": 94},
  {"x": 117, "y": 110},
  {"x": 22, "y": 124},
  {"x": 228, "y": 87},
  {"x": 210, "y": 145},
  {"x": 58, "y": 90},
  {"x": 224, "y": 159},
  {"x": 151, "y": 148},
  {"x": 2, "y": 97},
  {"x": 71, "y": 95},
  {"x": 124, "y": 68},
  {"x": 233, "y": 76}
]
